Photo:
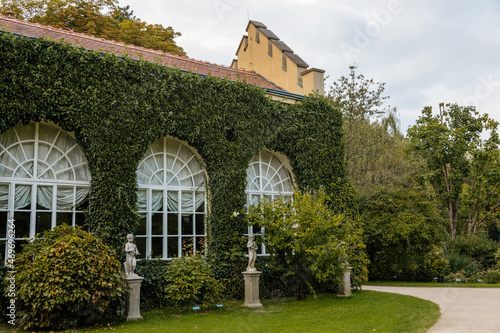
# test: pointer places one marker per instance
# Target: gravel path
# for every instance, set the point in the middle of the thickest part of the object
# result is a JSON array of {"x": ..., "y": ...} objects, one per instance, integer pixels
[{"x": 462, "y": 309}]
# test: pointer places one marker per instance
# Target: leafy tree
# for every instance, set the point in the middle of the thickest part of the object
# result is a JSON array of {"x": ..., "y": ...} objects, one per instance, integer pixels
[
  {"x": 310, "y": 242},
  {"x": 401, "y": 227},
  {"x": 374, "y": 146},
  {"x": 77, "y": 15},
  {"x": 100, "y": 18},
  {"x": 481, "y": 194},
  {"x": 457, "y": 157},
  {"x": 153, "y": 36},
  {"x": 123, "y": 13}
]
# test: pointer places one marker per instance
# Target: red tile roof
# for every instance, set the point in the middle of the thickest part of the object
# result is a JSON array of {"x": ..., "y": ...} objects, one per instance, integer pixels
[{"x": 99, "y": 44}]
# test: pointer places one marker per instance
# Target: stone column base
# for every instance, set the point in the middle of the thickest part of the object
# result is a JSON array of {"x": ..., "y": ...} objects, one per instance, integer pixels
[
  {"x": 252, "y": 289},
  {"x": 133, "y": 305},
  {"x": 345, "y": 286}
]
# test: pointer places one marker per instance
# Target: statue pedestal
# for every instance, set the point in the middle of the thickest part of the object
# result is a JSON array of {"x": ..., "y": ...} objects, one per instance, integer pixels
[
  {"x": 252, "y": 289},
  {"x": 133, "y": 305},
  {"x": 345, "y": 285}
]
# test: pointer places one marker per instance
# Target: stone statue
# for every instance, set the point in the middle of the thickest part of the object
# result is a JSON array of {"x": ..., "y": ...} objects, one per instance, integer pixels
[
  {"x": 131, "y": 251},
  {"x": 252, "y": 252}
]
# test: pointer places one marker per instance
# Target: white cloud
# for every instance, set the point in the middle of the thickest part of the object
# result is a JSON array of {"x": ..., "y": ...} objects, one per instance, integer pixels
[{"x": 428, "y": 52}]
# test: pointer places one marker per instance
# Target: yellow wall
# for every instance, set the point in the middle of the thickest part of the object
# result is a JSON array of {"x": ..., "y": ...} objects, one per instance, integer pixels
[{"x": 256, "y": 58}]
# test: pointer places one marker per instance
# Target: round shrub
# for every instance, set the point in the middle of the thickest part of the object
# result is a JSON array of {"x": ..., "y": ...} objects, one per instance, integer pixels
[
  {"x": 190, "y": 282},
  {"x": 479, "y": 248},
  {"x": 67, "y": 277},
  {"x": 154, "y": 272}
]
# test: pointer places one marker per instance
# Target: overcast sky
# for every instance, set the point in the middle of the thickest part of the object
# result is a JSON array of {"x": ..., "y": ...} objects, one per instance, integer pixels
[{"x": 426, "y": 51}]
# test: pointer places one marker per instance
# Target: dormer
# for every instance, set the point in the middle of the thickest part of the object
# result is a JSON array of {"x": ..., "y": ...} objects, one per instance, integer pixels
[{"x": 263, "y": 52}]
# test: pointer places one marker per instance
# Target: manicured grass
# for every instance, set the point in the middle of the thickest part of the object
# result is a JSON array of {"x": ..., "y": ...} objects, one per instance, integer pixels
[
  {"x": 365, "y": 311},
  {"x": 430, "y": 284}
]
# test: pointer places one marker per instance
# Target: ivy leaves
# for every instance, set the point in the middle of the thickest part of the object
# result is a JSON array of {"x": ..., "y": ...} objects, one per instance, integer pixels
[{"x": 116, "y": 107}]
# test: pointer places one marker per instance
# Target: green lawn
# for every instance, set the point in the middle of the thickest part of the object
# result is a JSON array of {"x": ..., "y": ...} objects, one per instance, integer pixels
[
  {"x": 366, "y": 311},
  {"x": 430, "y": 284}
]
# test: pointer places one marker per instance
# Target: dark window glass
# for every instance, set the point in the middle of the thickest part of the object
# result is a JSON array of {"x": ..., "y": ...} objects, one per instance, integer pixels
[
  {"x": 156, "y": 247},
  {"x": 173, "y": 244},
  {"x": 173, "y": 224}
]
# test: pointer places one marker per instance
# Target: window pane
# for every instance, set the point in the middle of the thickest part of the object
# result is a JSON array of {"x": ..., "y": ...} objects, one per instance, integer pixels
[
  {"x": 22, "y": 222},
  {"x": 157, "y": 247},
  {"x": 157, "y": 201},
  {"x": 187, "y": 244},
  {"x": 173, "y": 201},
  {"x": 140, "y": 242},
  {"x": 141, "y": 229},
  {"x": 80, "y": 221},
  {"x": 201, "y": 208},
  {"x": 200, "y": 243},
  {"x": 4, "y": 196},
  {"x": 157, "y": 224},
  {"x": 187, "y": 202},
  {"x": 22, "y": 198},
  {"x": 187, "y": 225},
  {"x": 65, "y": 197},
  {"x": 19, "y": 245},
  {"x": 173, "y": 243},
  {"x": 43, "y": 222},
  {"x": 82, "y": 197},
  {"x": 173, "y": 224},
  {"x": 3, "y": 225},
  {"x": 44, "y": 197},
  {"x": 200, "y": 226},
  {"x": 2, "y": 250},
  {"x": 142, "y": 197},
  {"x": 64, "y": 218}
]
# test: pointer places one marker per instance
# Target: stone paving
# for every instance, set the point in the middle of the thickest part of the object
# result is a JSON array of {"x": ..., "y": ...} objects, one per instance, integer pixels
[{"x": 462, "y": 309}]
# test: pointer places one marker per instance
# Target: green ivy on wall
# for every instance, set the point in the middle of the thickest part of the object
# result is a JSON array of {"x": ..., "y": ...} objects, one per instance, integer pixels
[{"x": 116, "y": 107}]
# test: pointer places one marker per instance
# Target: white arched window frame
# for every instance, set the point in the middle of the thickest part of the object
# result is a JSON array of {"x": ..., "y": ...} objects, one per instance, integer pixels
[
  {"x": 171, "y": 200},
  {"x": 44, "y": 180},
  {"x": 268, "y": 177}
]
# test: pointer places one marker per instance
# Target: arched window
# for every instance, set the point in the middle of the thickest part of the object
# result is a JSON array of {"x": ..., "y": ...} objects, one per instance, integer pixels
[
  {"x": 44, "y": 180},
  {"x": 267, "y": 178},
  {"x": 171, "y": 200}
]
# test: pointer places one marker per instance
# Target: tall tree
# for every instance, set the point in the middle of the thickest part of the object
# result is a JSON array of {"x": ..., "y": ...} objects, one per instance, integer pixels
[
  {"x": 100, "y": 18},
  {"x": 481, "y": 194},
  {"x": 374, "y": 146},
  {"x": 451, "y": 144}
]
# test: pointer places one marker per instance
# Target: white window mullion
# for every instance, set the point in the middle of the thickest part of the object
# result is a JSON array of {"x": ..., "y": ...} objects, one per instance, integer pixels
[
  {"x": 54, "y": 207},
  {"x": 149, "y": 241},
  {"x": 165, "y": 225},
  {"x": 34, "y": 190},
  {"x": 179, "y": 223},
  {"x": 35, "y": 152}
]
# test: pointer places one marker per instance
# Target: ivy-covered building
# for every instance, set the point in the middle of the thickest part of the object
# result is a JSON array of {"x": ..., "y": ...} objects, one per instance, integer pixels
[{"x": 122, "y": 139}]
